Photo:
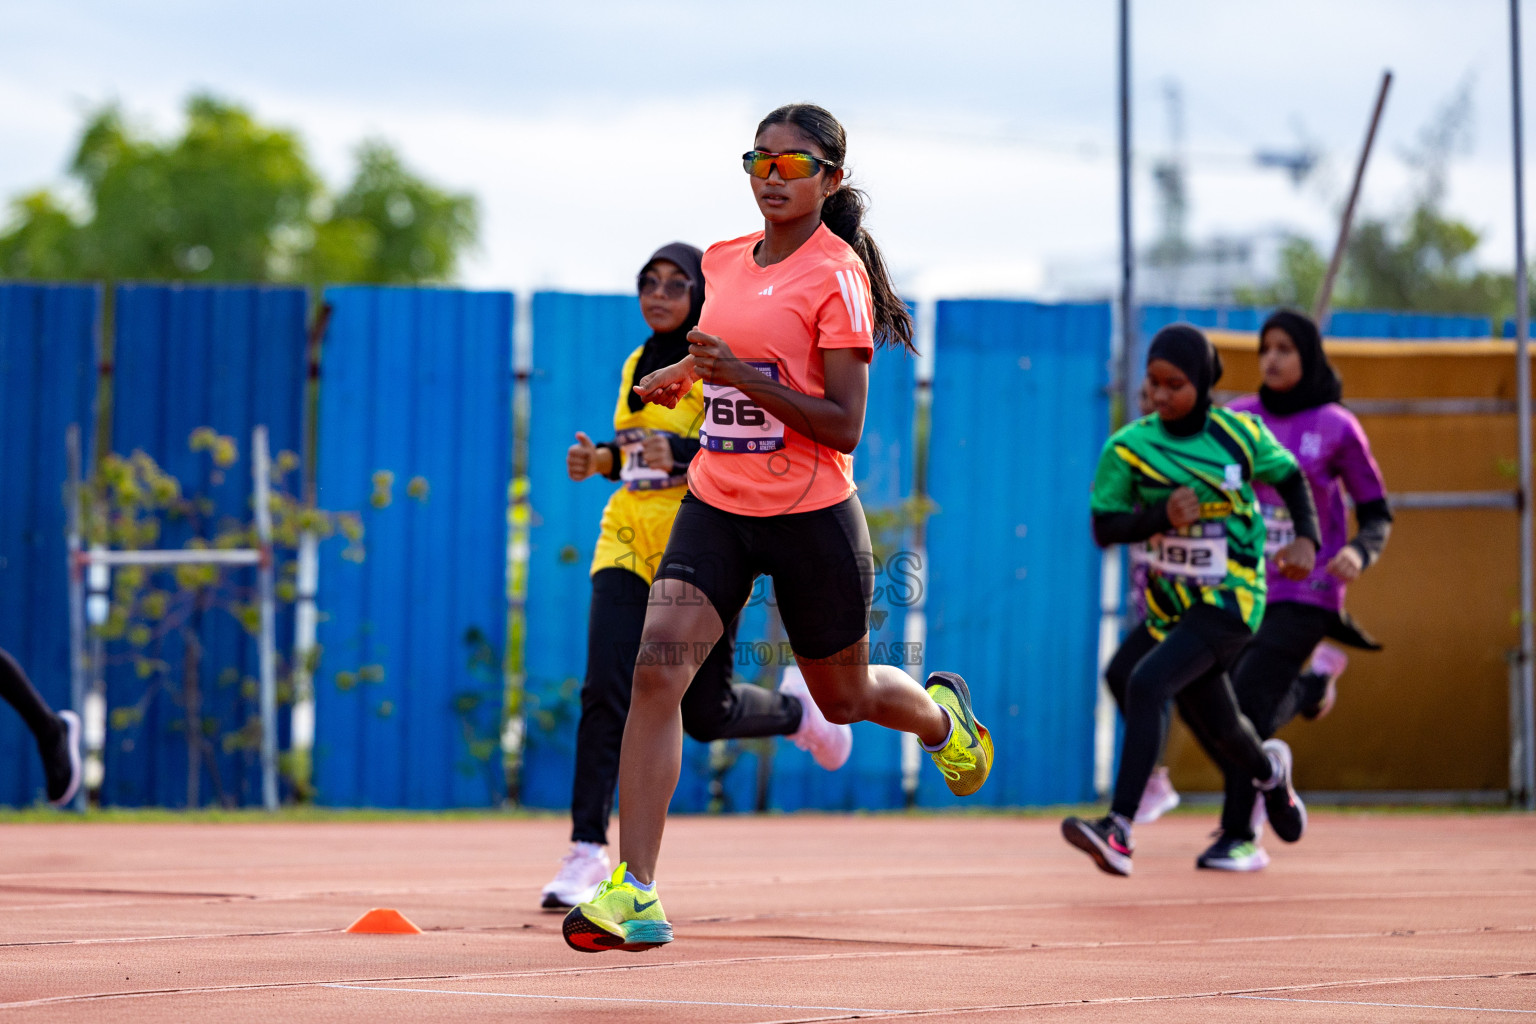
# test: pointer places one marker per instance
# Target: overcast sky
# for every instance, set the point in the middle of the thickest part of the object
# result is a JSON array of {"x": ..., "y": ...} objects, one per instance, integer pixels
[{"x": 984, "y": 132}]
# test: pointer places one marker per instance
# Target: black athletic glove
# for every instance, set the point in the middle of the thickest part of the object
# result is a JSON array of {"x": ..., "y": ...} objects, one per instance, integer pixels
[
  {"x": 1374, "y": 519},
  {"x": 1130, "y": 527},
  {"x": 1297, "y": 495},
  {"x": 616, "y": 460}
]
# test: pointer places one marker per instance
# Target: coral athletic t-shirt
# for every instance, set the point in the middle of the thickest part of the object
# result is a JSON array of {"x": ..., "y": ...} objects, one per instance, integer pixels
[{"x": 778, "y": 318}]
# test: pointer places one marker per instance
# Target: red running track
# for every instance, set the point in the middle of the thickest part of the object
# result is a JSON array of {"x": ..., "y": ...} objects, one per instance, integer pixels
[{"x": 1389, "y": 917}]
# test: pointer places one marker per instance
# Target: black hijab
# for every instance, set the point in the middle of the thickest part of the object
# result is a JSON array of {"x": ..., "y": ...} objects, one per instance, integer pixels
[
  {"x": 1319, "y": 382},
  {"x": 665, "y": 349},
  {"x": 1192, "y": 352}
]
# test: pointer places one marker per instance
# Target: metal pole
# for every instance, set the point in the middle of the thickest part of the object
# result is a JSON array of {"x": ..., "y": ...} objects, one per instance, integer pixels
[
  {"x": 76, "y": 585},
  {"x": 301, "y": 718},
  {"x": 261, "y": 469},
  {"x": 1325, "y": 291},
  {"x": 1523, "y": 398},
  {"x": 1126, "y": 371}
]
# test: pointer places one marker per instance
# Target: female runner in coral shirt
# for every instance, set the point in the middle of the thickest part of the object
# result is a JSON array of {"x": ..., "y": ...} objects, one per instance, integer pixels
[{"x": 790, "y": 323}]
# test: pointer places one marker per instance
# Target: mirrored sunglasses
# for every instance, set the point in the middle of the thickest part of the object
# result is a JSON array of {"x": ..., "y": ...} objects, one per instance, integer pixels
[{"x": 760, "y": 163}]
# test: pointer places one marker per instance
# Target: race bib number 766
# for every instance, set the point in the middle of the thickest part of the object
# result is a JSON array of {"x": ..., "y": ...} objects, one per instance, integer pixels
[{"x": 735, "y": 424}]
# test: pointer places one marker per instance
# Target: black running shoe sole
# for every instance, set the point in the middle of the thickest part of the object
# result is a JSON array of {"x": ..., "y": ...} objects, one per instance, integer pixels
[
  {"x": 1287, "y": 814},
  {"x": 553, "y": 902},
  {"x": 585, "y": 937},
  {"x": 1077, "y": 832}
]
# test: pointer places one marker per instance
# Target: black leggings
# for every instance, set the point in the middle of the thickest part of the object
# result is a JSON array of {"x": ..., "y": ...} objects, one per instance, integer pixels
[
  {"x": 1269, "y": 690},
  {"x": 1189, "y": 667},
  {"x": 19, "y": 693},
  {"x": 713, "y": 708}
]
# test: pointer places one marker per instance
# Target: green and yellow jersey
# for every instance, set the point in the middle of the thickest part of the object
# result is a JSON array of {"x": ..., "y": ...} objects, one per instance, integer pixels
[
  {"x": 1218, "y": 560},
  {"x": 638, "y": 518}
]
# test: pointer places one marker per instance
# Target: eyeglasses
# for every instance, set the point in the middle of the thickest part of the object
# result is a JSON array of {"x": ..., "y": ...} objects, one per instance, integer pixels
[
  {"x": 672, "y": 287},
  {"x": 760, "y": 164}
]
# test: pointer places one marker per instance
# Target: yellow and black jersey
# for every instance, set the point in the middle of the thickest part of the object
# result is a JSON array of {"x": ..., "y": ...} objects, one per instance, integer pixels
[{"x": 638, "y": 518}]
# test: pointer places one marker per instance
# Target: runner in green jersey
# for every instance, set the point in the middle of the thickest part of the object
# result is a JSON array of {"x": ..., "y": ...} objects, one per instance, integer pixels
[
  {"x": 1181, "y": 480},
  {"x": 1219, "y": 559}
]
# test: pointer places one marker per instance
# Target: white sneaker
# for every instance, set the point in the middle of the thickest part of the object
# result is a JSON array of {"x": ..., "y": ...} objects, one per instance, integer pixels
[
  {"x": 580, "y": 872},
  {"x": 1157, "y": 799},
  {"x": 828, "y": 744}
]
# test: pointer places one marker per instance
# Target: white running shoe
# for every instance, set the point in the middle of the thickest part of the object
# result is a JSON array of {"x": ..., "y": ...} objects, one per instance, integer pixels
[
  {"x": 580, "y": 872},
  {"x": 1158, "y": 798},
  {"x": 828, "y": 744}
]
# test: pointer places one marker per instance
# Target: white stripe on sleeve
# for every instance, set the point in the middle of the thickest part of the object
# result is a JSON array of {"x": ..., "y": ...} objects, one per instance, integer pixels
[
  {"x": 862, "y": 294},
  {"x": 850, "y": 302}
]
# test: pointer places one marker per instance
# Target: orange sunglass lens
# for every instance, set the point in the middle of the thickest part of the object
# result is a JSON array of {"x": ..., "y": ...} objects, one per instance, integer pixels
[{"x": 791, "y": 165}]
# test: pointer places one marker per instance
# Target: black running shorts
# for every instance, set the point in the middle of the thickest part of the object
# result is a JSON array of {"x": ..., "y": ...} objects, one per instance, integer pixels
[{"x": 821, "y": 564}]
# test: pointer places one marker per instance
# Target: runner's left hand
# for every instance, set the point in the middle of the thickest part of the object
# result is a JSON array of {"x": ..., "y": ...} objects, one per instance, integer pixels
[
  {"x": 658, "y": 453},
  {"x": 1296, "y": 560},
  {"x": 667, "y": 385}
]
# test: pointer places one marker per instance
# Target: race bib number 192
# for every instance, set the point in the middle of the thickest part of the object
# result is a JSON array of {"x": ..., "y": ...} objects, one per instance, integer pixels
[
  {"x": 735, "y": 424},
  {"x": 1195, "y": 554}
]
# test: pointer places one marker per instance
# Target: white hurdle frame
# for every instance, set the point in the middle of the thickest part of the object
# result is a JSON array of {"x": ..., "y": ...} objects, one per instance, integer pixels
[{"x": 81, "y": 559}]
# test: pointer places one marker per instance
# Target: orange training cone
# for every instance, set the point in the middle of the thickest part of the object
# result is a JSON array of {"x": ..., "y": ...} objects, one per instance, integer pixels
[{"x": 383, "y": 921}]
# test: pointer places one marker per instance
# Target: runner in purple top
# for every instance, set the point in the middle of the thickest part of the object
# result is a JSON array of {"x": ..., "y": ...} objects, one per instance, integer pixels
[{"x": 1299, "y": 402}]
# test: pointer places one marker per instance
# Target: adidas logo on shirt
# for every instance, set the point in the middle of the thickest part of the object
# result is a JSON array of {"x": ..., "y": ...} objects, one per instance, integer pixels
[{"x": 766, "y": 291}]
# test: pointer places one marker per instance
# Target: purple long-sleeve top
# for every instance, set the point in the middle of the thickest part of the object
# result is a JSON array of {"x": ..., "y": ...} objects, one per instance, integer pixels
[{"x": 1335, "y": 456}]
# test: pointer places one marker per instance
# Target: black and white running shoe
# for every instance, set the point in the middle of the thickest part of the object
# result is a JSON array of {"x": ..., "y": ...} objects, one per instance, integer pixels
[
  {"x": 1230, "y": 853},
  {"x": 61, "y": 760},
  {"x": 1107, "y": 840},
  {"x": 1287, "y": 814}
]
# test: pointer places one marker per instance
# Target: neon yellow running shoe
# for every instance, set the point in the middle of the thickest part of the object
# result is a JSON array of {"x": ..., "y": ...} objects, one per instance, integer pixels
[
  {"x": 620, "y": 916},
  {"x": 966, "y": 759}
]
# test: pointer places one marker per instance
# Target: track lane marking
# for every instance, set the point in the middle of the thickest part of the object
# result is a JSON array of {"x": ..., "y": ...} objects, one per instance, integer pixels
[
  {"x": 169, "y": 938},
  {"x": 862, "y": 1014},
  {"x": 1395, "y": 1006},
  {"x": 1172, "y": 998},
  {"x": 609, "y": 999},
  {"x": 1219, "y": 901},
  {"x": 583, "y": 971}
]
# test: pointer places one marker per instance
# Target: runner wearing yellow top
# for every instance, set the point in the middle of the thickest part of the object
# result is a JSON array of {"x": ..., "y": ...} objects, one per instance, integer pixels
[
  {"x": 783, "y": 349},
  {"x": 650, "y": 453}
]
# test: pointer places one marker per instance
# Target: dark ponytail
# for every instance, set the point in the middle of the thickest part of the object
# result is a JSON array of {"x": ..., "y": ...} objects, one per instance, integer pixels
[{"x": 843, "y": 214}]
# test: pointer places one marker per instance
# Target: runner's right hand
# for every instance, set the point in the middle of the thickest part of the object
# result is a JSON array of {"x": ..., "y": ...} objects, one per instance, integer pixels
[
  {"x": 584, "y": 458},
  {"x": 1183, "y": 507}
]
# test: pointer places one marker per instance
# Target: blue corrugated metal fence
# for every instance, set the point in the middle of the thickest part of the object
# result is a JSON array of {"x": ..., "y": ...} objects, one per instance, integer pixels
[
  {"x": 47, "y": 382},
  {"x": 415, "y": 433},
  {"x": 1019, "y": 414},
  {"x": 229, "y": 358},
  {"x": 416, "y": 384}
]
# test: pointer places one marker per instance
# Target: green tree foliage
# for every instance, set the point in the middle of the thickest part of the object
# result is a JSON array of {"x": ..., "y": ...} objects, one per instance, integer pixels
[
  {"x": 390, "y": 227},
  {"x": 232, "y": 199},
  {"x": 1419, "y": 259}
]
